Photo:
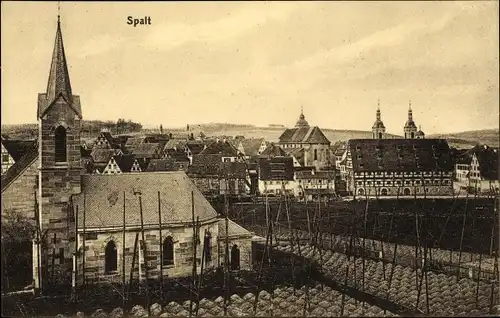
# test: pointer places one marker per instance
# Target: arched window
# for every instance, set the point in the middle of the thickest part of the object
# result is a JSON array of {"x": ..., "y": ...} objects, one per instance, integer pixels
[
  {"x": 412, "y": 135},
  {"x": 315, "y": 154},
  {"x": 168, "y": 251},
  {"x": 407, "y": 191},
  {"x": 110, "y": 258},
  {"x": 379, "y": 135},
  {"x": 235, "y": 257},
  {"x": 384, "y": 191},
  {"x": 361, "y": 191},
  {"x": 60, "y": 144},
  {"x": 208, "y": 247}
]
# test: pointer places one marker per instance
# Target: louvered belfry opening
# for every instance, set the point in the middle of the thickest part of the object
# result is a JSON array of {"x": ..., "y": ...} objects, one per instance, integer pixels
[{"x": 60, "y": 144}]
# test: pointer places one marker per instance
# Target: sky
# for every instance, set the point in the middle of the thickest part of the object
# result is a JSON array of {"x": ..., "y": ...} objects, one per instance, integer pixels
[{"x": 260, "y": 62}]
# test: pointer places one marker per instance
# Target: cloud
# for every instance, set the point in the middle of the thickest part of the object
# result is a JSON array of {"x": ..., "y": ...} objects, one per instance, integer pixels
[
  {"x": 99, "y": 45},
  {"x": 171, "y": 35},
  {"x": 380, "y": 39}
]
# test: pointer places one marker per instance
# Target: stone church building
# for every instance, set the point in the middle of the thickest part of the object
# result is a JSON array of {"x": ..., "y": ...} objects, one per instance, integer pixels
[{"x": 82, "y": 219}]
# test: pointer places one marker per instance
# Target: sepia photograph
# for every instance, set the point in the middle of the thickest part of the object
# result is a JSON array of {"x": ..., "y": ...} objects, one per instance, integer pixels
[{"x": 250, "y": 159}]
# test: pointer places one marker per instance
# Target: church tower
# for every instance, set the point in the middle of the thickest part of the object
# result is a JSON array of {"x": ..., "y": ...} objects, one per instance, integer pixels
[
  {"x": 378, "y": 128},
  {"x": 59, "y": 119},
  {"x": 410, "y": 128},
  {"x": 302, "y": 122}
]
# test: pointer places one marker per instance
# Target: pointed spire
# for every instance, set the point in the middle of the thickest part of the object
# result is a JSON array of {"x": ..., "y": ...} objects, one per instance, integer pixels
[
  {"x": 410, "y": 112},
  {"x": 58, "y": 83}
]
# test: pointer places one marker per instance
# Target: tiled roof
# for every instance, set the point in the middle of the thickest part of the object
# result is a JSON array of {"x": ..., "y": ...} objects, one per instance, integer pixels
[
  {"x": 125, "y": 162},
  {"x": 220, "y": 169},
  {"x": 20, "y": 166},
  {"x": 85, "y": 153},
  {"x": 133, "y": 142},
  {"x": 234, "y": 229},
  {"x": 104, "y": 199},
  {"x": 143, "y": 163},
  {"x": 298, "y": 153},
  {"x": 223, "y": 148},
  {"x": 251, "y": 146},
  {"x": 307, "y": 174},
  {"x": 195, "y": 147},
  {"x": 146, "y": 150},
  {"x": 273, "y": 151},
  {"x": 163, "y": 165},
  {"x": 174, "y": 143},
  {"x": 312, "y": 135},
  {"x": 277, "y": 168},
  {"x": 101, "y": 155},
  {"x": 207, "y": 160},
  {"x": 400, "y": 155},
  {"x": 17, "y": 148}
]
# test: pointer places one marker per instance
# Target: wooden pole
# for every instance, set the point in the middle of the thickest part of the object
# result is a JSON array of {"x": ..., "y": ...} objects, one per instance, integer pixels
[
  {"x": 39, "y": 242},
  {"x": 76, "y": 255},
  {"x": 161, "y": 245},
  {"x": 53, "y": 259},
  {"x": 193, "y": 274},
  {"x": 145, "y": 253},
  {"x": 84, "y": 238},
  {"x": 133, "y": 260},
  {"x": 364, "y": 247},
  {"x": 124, "y": 290},
  {"x": 478, "y": 278},
  {"x": 226, "y": 251},
  {"x": 203, "y": 251}
]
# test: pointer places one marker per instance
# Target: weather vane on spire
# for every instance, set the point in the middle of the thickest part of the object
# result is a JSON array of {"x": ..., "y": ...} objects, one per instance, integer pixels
[
  {"x": 378, "y": 103},
  {"x": 409, "y": 103},
  {"x": 58, "y": 11}
]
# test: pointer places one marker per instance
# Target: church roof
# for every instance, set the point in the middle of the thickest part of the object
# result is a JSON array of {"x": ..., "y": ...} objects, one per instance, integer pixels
[
  {"x": 310, "y": 135},
  {"x": 58, "y": 84},
  {"x": 302, "y": 122},
  {"x": 20, "y": 166},
  {"x": 273, "y": 151},
  {"x": 104, "y": 200},
  {"x": 17, "y": 148},
  {"x": 234, "y": 229}
]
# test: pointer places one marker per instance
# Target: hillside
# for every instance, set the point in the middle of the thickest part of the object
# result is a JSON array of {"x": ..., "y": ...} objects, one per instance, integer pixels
[
  {"x": 469, "y": 139},
  {"x": 466, "y": 139}
]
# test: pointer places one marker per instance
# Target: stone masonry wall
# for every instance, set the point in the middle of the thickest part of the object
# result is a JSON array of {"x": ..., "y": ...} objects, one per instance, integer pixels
[
  {"x": 245, "y": 246},
  {"x": 183, "y": 253},
  {"x": 19, "y": 197}
]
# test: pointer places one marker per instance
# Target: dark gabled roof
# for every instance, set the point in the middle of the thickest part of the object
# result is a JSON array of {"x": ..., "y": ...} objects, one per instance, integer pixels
[
  {"x": 222, "y": 169},
  {"x": 167, "y": 164},
  {"x": 143, "y": 163},
  {"x": 104, "y": 199},
  {"x": 121, "y": 140},
  {"x": 277, "y": 168},
  {"x": 125, "y": 161},
  {"x": 17, "y": 148},
  {"x": 195, "y": 147},
  {"x": 400, "y": 155},
  {"x": 20, "y": 166},
  {"x": 102, "y": 155},
  {"x": 85, "y": 153},
  {"x": 252, "y": 146},
  {"x": 487, "y": 158},
  {"x": 177, "y": 155},
  {"x": 312, "y": 135},
  {"x": 298, "y": 153},
  {"x": 133, "y": 142},
  {"x": 174, "y": 143},
  {"x": 273, "y": 151},
  {"x": 146, "y": 150},
  {"x": 158, "y": 138},
  {"x": 223, "y": 148}
]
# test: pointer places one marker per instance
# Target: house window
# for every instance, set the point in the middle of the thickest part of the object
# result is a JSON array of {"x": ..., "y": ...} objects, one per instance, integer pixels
[
  {"x": 235, "y": 257},
  {"x": 361, "y": 192},
  {"x": 315, "y": 154},
  {"x": 407, "y": 191},
  {"x": 60, "y": 144},
  {"x": 384, "y": 191},
  {"x": 168, "y": 251},
  {"x": 110, "y": 258},
  {"x": 5, "y": 157}
]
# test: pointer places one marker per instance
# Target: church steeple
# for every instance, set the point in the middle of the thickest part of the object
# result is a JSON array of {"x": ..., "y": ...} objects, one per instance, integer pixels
[
  {"x": 378, "y": 128},
  {"x": 59, "y": 83},
  {"x": 410, "y": 129},
  {"x": 302, "y": 119}
]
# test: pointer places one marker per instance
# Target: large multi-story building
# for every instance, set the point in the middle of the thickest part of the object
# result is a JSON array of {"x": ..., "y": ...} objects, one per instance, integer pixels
[
  {"x": 398, "y": 167},
  {"x": 477, "y": 170}
]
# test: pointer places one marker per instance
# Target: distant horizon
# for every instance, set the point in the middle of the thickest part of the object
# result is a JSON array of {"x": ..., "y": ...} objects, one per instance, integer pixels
[{"x": 257, "y": 126}]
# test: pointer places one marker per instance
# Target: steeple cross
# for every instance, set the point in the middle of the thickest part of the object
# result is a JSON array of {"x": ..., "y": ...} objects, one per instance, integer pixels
[{"x": 58, "y": 11}]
